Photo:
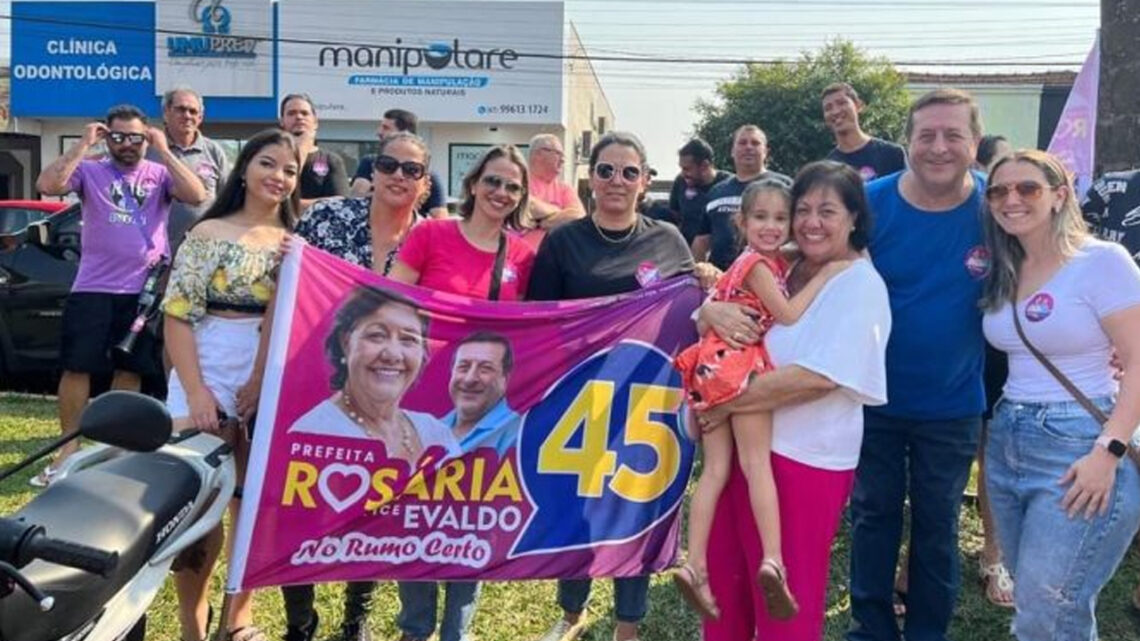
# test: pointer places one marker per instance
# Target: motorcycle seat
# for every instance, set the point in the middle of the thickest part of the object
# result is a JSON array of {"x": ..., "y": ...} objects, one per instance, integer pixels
[{"x": 128, "y": 505}]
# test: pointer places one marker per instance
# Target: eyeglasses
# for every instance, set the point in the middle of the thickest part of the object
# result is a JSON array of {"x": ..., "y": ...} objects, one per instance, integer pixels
[
  {"x": 119, "y": 138},
  {"x": 1027, "y": 190},
  {"x": 606, "y": 171},
  {"x": 552, "y": 150},
  {"x": 410, "y": 168},
  {"x": 498, "y": 182},
  {"x": 186, "y": 110}
]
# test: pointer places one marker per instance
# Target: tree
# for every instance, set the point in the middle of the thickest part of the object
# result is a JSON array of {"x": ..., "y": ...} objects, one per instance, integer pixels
[{"x": 784, "y": 100}]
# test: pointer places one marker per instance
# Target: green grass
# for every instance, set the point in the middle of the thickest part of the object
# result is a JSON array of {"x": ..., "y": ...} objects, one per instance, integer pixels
[{"x": 521, "y": 611}]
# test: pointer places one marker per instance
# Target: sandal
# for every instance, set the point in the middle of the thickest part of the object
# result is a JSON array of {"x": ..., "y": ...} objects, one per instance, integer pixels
[
  {"x": 693, "y": 585},
  {"x": 246, "y": 633},
  {"x": 44, "y": 478},
  {"x": 779, "y": 600},
  {"x": 997, "y": 582}
]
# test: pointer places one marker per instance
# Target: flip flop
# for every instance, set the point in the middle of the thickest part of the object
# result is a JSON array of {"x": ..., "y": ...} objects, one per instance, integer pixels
[
  {"x": 689, "y": 582},
  {"x": 779, "y": 600}
]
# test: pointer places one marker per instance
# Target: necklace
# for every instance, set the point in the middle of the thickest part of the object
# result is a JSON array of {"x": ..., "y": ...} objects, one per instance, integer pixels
[
  {"x": 608, "y": 239},
  {"x": 405, "y": 432}
]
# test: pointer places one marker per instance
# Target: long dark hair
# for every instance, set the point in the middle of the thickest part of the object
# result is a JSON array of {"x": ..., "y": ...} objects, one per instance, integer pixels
[{"x": 232, "y": 195}]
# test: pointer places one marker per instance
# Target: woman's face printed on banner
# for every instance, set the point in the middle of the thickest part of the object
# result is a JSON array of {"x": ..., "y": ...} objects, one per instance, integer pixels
[{"x": 385, "y": 352}]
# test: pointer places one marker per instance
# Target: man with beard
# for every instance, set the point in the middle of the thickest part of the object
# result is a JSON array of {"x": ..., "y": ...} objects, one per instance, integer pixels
[
  {"x": 871, "y": 157},
  {"x": 125, "y": 206},
  {"x": 716, "y": 239},
  {"x": 481, "y": 418},
  {"x": 182, "y": 112},
  {"x": 323, "y": 174},
  {"x": 689, "y": 196}
]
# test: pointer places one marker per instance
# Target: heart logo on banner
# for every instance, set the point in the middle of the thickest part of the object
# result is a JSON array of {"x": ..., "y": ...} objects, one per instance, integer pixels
[{"x": 349, "y": 472}]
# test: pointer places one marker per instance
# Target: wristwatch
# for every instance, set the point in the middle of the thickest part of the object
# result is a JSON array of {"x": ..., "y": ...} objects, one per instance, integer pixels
[{"x": 1115, "y": 447}]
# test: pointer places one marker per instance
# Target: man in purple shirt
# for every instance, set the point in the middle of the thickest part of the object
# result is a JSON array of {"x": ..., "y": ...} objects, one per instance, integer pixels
[{"x": 125, "y": 206}]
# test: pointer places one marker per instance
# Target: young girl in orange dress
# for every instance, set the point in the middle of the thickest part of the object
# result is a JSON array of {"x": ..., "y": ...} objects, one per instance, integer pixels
[{"x": 714, "y": 373}]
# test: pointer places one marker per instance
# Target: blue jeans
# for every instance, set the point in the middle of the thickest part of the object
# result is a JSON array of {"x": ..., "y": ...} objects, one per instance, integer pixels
[
  {"x": 631, "y": 597},
  {"x": 418, "y": 607},
  {"x": 1059, "y": 564},
  {"x": 931, "y": 461}
]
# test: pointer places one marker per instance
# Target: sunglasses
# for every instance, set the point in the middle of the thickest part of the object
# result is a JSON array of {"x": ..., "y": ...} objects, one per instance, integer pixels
[
  {"x": 494, "y": 183},
  {"x": 1027, "y": 190},
  {"x": 119, "y": 138},
  {"x": 606, "y": 171},
  {"x": 388, "y": 165}
]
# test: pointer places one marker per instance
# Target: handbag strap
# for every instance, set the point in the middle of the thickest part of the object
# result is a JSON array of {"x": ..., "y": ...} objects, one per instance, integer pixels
[
  {"x": 1077, "y": 394},
  {"x": 497, "y": 270}
]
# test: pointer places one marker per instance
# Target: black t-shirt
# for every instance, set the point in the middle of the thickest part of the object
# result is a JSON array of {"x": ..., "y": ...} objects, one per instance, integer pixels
[
  {"x": 724, "y": 202},
  {"x": 1112, "y": 209},
  {"x": 578, "y": 260},
  {"x": 323, "y": 176},
  {"x": 689, "y": 202},
  {"x": 875, "y": 159},
  {"x": 436, "y": 197}
]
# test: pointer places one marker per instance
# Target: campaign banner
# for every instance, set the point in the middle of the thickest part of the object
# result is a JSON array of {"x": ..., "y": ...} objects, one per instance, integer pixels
[
  {"x": 404, "y": 433},
  {"x": 1074, "y": 139}
]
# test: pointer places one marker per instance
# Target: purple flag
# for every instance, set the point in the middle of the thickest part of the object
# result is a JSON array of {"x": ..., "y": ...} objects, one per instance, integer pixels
[{"x": 1074, "y": 140}]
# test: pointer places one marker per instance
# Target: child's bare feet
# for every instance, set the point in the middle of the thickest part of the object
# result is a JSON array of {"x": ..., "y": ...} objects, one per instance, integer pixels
[
  {"x": 694, "y": 587},
  {"x": 781, "y": 604}
]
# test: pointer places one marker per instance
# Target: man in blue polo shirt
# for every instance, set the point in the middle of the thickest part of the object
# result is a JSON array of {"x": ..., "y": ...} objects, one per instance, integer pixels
[
  {"x": 479, "y": 372},
  {"x": 927, "y": 245}
]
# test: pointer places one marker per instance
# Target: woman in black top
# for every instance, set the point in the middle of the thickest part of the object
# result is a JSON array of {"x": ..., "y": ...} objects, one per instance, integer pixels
[{"x": 612, "y": 251}]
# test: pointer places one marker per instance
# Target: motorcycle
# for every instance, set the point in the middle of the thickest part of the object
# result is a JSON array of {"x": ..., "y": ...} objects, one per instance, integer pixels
[{"x": 86, "y": 557}]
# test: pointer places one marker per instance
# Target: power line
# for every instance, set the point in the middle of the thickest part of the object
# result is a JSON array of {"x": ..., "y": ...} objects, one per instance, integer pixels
[{"x": 658, "y": 59}]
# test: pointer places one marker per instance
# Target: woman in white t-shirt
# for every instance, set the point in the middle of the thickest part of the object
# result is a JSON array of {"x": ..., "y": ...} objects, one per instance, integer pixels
[
  {"x": 828, "y": 366},
  {"x": 1065, "y": 497}
]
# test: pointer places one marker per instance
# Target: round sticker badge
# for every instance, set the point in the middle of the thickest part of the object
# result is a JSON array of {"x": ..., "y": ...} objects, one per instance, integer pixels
[
  {"x": 690, "y": 193},
  {"x": 647, "y": 274},
  {"x": 321, "y": 166},
  {"x": 978, "y": 262},
  {"x": 867, "y": 173},
  {"x": 1039, "y": 307}
]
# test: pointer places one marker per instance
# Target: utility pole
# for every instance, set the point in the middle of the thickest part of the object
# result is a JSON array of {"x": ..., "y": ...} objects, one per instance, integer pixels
[{"x": 1118, "y": 102}]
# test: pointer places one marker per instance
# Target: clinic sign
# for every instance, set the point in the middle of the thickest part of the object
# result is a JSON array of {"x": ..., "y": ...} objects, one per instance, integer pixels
[
  {"x": 504, "y": 67},
  {"x": 68, "y": 56},
  {"x": 219, "y": 47}
]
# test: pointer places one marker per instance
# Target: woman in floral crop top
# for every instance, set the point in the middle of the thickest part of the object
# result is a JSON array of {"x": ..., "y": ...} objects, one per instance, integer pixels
[{"x": 224, "y": 276}]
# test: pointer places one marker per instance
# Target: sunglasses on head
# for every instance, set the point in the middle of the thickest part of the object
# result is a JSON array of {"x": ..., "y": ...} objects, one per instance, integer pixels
[
  {"x": 498, "y": 182},
  {"x": 410, "y": 168},
  {"x": 119, "y": 138},
  {"x": 1027, "y": 190},
  {"x": 606, "y": 171}
]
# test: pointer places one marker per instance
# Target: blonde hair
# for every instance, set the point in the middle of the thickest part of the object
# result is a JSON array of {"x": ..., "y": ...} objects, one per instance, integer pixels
[{"x": 1006, "y": 253}]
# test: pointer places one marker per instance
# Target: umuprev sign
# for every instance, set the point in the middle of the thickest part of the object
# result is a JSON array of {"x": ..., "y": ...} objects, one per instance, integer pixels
[{"x": 431, "y": 58}]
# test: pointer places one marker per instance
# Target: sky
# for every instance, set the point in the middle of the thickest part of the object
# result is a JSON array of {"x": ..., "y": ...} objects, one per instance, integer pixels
[{"x": 656, "y": 100}]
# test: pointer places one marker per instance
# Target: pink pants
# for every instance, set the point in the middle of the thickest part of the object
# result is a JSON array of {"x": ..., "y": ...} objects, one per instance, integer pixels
[{"x": 811, "y": 502}]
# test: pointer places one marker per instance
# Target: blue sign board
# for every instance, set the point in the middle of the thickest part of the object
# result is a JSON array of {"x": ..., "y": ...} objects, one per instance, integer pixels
[{"x": 80, "y": 58}]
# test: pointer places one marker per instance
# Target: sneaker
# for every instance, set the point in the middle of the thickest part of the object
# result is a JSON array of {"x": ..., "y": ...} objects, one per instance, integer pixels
[
  {"x": 563, "y": 630},
  {"x": 307, "y": 632}
]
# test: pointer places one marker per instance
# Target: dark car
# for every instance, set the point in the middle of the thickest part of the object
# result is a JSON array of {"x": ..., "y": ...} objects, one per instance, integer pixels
[{"x": 39, "y": 257}]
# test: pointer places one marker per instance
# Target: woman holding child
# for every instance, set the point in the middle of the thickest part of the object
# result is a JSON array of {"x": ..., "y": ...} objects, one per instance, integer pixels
[{"x": 827, "y": 366}]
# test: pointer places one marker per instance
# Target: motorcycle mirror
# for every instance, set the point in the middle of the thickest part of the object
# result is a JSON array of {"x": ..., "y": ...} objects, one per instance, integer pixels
[{"x": 128, "y": 420}]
